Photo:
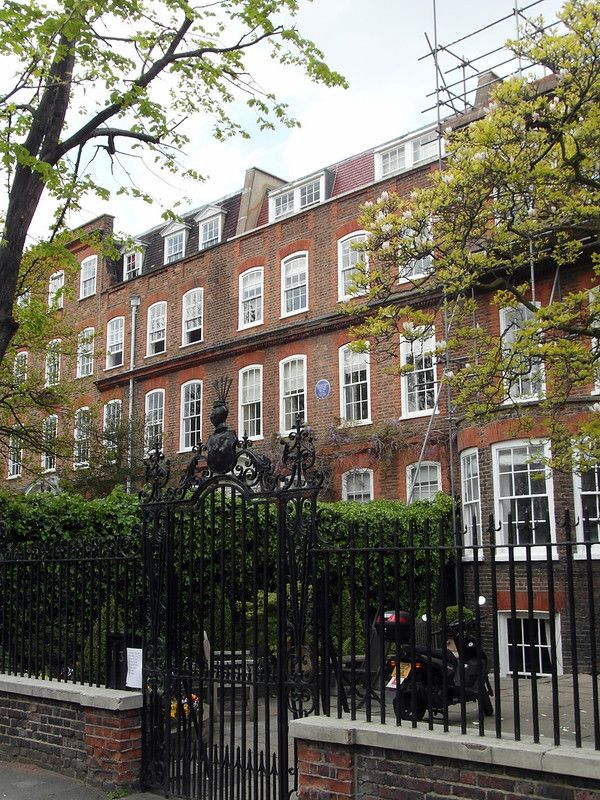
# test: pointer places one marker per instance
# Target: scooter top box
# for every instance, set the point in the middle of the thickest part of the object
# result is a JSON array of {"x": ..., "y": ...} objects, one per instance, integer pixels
[{"x": 396, "y": 626}]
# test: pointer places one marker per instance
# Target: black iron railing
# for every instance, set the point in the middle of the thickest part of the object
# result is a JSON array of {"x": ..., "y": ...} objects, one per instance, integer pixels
[
  {"x": 69, "y": 609},
  {"x": 499, "y": 639}
]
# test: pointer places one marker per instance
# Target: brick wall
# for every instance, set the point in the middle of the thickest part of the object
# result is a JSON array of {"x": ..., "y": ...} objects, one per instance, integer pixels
[
  {"x": 97, "y": 745},
  {"x": 334, "y": 771}
]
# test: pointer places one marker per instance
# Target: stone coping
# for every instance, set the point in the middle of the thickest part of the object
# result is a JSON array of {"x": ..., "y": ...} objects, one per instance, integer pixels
[
  {"x": 563, "y": 760},
  {"x": 87, "y": 696}
]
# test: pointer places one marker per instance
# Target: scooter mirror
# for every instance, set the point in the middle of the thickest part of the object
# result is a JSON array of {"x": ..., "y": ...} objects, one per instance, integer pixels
[{"x": 481, "y": 600}]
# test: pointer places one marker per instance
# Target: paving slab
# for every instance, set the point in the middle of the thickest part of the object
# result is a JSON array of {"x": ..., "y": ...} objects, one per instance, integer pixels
[{"x": 27, "y": 782}]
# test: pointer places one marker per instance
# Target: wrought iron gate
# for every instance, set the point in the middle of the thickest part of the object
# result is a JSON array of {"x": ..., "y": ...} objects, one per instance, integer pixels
[{"x": 228, "y": 600}]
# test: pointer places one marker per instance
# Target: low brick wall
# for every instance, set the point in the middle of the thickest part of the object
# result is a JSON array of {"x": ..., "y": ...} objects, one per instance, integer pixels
[
  {"x": 90, "y": 733},
  {"x": 375, "y": 762}
]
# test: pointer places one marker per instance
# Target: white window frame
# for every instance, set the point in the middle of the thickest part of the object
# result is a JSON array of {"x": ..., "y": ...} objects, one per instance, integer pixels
[
  {"x": 354, "y": 256},
  {"x": 346, "y": 476},
  {"x": 578, "y": 492},
  {"x": 206, "y": 224},
  {"x": 169, "y": 234},
  {"x": 538, "y": 552},
  {"x": 20, "y": 366},
  {"x": 244, "y": 276},
  {"x": 158, "y": 421},
  {"x": 129, "y": 273},
  {"x": 241, "y": 425},
  {"x": 418, "y": 347},
  {"x": 184, "y": 318},
  {"x": 410, "y": 496},
  {"x": 183, "y": 447},
  {"x": 423, "y": 141},
  {"x": 53, "y": 348},
  {"x": 152, "y": 329},
  {"x": 406, "y": 146},
  {"x": 282, "y": 397},
  {"x": 89, "y": 264},
  {"x": 77, "y": 437},
  {"x": 48, "y": 459},
  {"x": 85, "y": 353},
  {"x": 508, "y": 387},
  {"x": 470, "y": 498},
  {"x": 503, "y": 644},
  {"x": 113, "y": 327},
  {"x": 285, "y": 264},
  {"x": 293, "y": 193},
  {"x": 418, "y": 268},
  {"x": 14, "y": 466},
  {"x": 106, "y": 423},
  {"x": 56, "y": 286},
  {"x": 343, "y": 351}
]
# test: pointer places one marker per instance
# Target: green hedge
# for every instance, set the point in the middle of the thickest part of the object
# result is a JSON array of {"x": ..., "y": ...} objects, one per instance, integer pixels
[{"x": 67, "y": 516}]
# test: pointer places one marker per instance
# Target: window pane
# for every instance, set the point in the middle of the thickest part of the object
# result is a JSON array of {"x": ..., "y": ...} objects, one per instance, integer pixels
[
  {"x": 523, "y": 492},
  {"x": 358, "y": 485},
  {"x": 250, "y": 401},
  {"x": 355, "y": 387},
  {"x": 154, "y": 420},
  {"x": 292, "y": 390},
  {"x": 251, "y": 298},
  {"x": 191, "y": 415},
  {"x": 157, "y": 321},
  {"x": 295, "y": 284},
  {"x": 192, "y": 316},
  {"x": 393, "y": 160}
]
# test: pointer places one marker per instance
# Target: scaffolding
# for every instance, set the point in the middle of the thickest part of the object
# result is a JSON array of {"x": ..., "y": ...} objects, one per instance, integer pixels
[{"x": 461, "y": 80}]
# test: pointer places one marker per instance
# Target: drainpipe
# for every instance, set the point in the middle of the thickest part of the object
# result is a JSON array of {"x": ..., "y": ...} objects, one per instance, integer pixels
[{"x": 135, "y": 302}]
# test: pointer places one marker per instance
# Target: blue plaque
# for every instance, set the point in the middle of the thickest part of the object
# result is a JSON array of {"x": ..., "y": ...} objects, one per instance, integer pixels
[{"x": 322, "y": 389}]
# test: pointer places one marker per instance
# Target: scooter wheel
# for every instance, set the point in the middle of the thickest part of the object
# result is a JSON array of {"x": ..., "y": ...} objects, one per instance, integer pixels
[{"x": 403, "y": 706}]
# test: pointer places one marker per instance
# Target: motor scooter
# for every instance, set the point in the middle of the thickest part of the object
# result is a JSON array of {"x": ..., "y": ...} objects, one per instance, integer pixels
[{"x": 419, "y": 675}]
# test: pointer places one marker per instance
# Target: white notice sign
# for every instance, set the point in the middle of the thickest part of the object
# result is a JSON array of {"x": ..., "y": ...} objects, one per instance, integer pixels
[{"x": 134, "y": 668}]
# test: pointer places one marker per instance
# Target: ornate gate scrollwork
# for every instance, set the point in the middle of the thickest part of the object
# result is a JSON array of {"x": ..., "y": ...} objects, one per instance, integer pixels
[{"x": 233, "y": 531}]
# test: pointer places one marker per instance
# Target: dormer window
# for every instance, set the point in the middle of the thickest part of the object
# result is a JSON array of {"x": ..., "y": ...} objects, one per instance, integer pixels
[
  {"x": 284, "y": 205},
  {"x": 310, "y": 194},
  {"x": 209, "y": 233},
  {"x": 425, "y": 148},
  {"x": 406, "y": 153},
  {"x": 175, "y": 236},
  {"x": 174, "y": 247},
  {"x": 132, "y": 264},
  {"x": 295, "y": 198},
  {"x": 211, "y": 221}
]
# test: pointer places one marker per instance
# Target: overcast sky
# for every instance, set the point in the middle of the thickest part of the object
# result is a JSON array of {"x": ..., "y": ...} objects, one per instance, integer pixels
[{"x": 376, "y": 44}]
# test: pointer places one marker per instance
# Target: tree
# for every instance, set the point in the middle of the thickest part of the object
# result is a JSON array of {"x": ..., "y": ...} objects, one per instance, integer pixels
[
  {"x": 30, "y": 392},
  {"x": 106, "y": 78},
  {"x": 517, "y": 199}
]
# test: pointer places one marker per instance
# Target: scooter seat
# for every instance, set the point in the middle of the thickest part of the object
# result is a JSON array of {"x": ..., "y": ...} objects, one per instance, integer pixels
[{"x": 439, "y": 653}]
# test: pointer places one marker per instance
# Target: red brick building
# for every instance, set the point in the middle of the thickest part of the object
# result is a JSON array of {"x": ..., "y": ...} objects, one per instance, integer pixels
[{"x": 249, "y": 286}]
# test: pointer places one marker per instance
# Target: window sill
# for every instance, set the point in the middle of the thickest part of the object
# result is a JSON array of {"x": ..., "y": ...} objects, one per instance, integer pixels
[
  {"x": 87, "y": 297},
  {"x": 419, "y": 414},
  {"x": 344, "y": 424},
  {"x": 347, "y": 298},
  {"x": 49, "y": 471},
  {"x": 250, "y": 325},
  {"x": 294, "y": 313},
  {"x": 153, "y": 355},
  {"x": 580, "y": 553},
  {"x": 191, "y": 344},
  {"x": 13, "y": 477},
  {"x": 537, "y": 553},
  {"x": 110, "y": 369}
]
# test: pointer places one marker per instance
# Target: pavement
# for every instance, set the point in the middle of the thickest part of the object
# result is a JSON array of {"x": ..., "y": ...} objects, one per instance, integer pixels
[{"x": 27, "y": 782}]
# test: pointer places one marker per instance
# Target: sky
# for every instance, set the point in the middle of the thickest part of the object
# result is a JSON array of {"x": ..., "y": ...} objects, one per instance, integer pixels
[{"x": 377, "y": 45}]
